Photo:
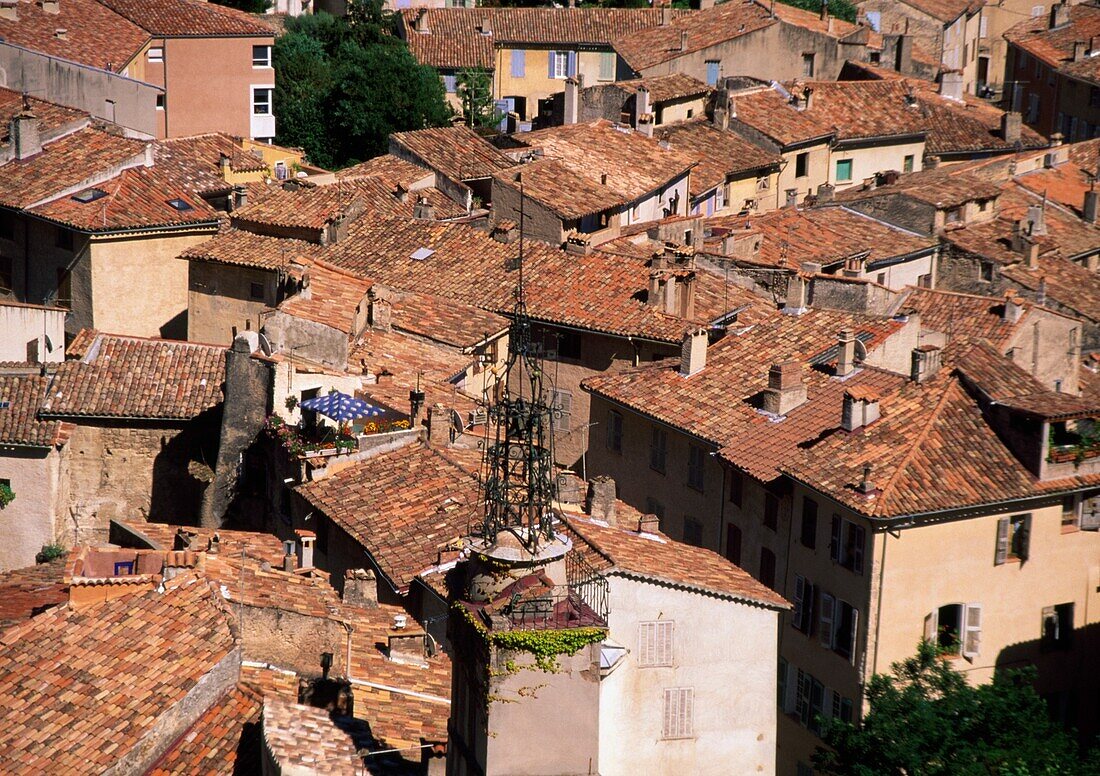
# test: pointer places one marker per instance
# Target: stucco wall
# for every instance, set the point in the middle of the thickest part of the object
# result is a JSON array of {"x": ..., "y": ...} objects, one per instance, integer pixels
[
  {"x": 818, "y": 171},
  {"x": 21, "y": 325},
  {"x": 868, "y": 161},
  {"x": 535, "y": 83},
  {"x": 725, "y": 651},
  {"x": 28, "y": 522},
  {"x": 220, "y": 298}
]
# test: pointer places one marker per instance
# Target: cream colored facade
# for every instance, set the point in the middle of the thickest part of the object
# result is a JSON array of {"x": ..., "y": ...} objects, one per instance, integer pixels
[
  {"x": 753, "y": 193},
  {"x": 815, "y": 171},
  {"x": 852, "y": 163},
  {"x": 31, "y": 332},
  {"x": 996, "y": 19},
  {"x": 28, "y": 522},
  {"x": 531, "y": 74}
]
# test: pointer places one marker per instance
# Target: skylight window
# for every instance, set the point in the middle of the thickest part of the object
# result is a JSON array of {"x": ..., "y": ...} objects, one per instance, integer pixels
[
  {"x": 89, "y": 195},
  {"x": 180, "y": 205},
  {"x": 421, "y": 253},
  {"x": 5, "y": 405}
]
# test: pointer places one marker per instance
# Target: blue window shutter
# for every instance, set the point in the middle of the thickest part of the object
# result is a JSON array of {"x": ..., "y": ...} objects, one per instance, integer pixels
[
  {"x": 503, "y": 107},
  {"x": 571, "y": 64},
  {"x": 518, "y": 63},
  {"x": 712, "y": 73},
  {"x": 551, "y": 74}
]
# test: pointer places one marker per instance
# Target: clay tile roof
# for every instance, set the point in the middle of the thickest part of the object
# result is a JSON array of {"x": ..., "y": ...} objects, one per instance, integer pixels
[
  {"x": 1067, "y": 183},
  {"x": 95, "y": 35},
  {"x": 306, "y": 207},
  {"x": 401, "y": 506},
  {"x": 381, "y": 198},
  {"x": 458, "y": 152},
  {"x": 334, "y": 298},
  {"x": 131, "y": 377},
  {"x": 80, "y": 691},
  {"x": 390, "y": 168},
  {"x": 445, "y": 320},
  {"x": 64, "y": 164},
  {"x": 768, "y": 111},
  {"x": 52, "y": 118},
  {"x": 400, "y": 360},
  {"x": 939, "y": 187},
  {"x": 304, "y": 739},
  {"x": 1055, "y": 47},
  {"x": 247, "y": 249},
  {"x": 720, "y": 153},
  {"x": 964, "y": 316},
  {"x": 188, "y": 18},
  {"x": 260, "y": 584},
  {"x": 27, "y": 592},
  {"x": 655, "y": 557},
  {"x": 566, "y": 193},
  {"x": 223, "y": 741},
  {"x": 455, "y": 41},
  {"x": 663, "y": 88},
  {"x": 946, "y": 10},
  {"x": 20, "y": 398},
  {"x": 196, "y": 160}
]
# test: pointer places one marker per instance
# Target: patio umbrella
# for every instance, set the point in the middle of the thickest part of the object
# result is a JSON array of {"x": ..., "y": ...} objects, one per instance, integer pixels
[{"x": 341, "y": 407}]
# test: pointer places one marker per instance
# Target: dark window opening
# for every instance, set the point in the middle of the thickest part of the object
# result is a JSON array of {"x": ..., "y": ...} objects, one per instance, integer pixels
[
  {"x": 809, "y": 523},
  {"x": 802, "y": 165},
  {"x": 737, "y": 487},
  {"x": 733, "y": 544},
  {"x": 771, "y": 511},
  {"x": 693, "y": 532},
  {"x": 767, "y": 567},
  {"x": 256, "y": 290}
]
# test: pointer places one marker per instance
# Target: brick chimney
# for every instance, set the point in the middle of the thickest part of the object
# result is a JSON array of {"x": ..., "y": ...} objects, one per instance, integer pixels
[
  {"x": 846, "y": 353},
  {"x": 925, "y": 363},
  {"x": 571, "y": 113},
  {"x": 601, "y": 499},
  {"x": 650, "y": 524},
  {"x": 1090, "y": 206},
  {"x": 785, "y": 390},
  {"x": 26, "y": 136},
  {"x": 861, "y": 408},
  {"x": 380, "y": 309},
  {"x": 290, "y": 555},
  {"x": 1059, "y": 15},
  {"x": 693, "y": 352},
  {"x": 305, "y": 548},
  {"x": 1013, "y": 307},
  {"x": 439, "y": 426},
  {"x": 361, "y": 588},
  {"x": 1011, "y": 125}
]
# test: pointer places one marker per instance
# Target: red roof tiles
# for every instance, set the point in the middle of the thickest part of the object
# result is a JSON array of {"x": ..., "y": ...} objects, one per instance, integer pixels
[
  {"x": 20, "y": 398},
  {"x": 189, "y": 18},
  {"x": 29, "y": 591},
  {"x": 1055, "y": 46},
  {"x": 95, "y": 35},
  {"x": 458, "y": 152},
  {"x": 224, "y": 741},
  {"x": 720, "y": 153}
]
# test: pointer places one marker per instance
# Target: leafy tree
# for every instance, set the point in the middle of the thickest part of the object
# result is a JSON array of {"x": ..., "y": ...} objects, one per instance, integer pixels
[
  {"x": 841, "y": 9},
  {"x": 925, "y": 720},
  {"x": 475, "y": 89},
  {"x": 343, "y": 85},
  {"x": 248, "y": 6}
]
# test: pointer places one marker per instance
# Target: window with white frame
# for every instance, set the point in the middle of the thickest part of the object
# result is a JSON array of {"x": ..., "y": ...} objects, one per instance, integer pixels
[
  {"x": 1013, "y": 539},
  {"x": 561, "y": 64},
  {"x": 956, "y": 629},
  {"x": 678, "y": 713},
  {"x": 655, "y": 642},
  {"x": 261, "y": 56},
  {"x": 261, "y": 100},
  {"x": 156, "y": 54},
  {"x": 805, "y": 594}
]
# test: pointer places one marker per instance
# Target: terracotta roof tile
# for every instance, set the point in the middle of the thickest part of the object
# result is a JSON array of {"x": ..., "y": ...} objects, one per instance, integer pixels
[
  {"x": 770, "y": 112},
  {"x": 333, "y": 300},
  {"x": 247, "y": 249},
  {"x": 21, "y": 396},
  {"x": 333, "y": 742},
  {"x": 306, "y": 207},
  {"x": 663, "y": 88},
  {"x": 188, "y": 18},
  {"x": 445, "y": 320},
  {"x": 389, "y": 168},
  {"x": 1055, "y": 46},
  {"x": 96, "y": 35},
  {"x": 224, "y": 741},
  {"x": 946, "y": 10},
  {"x": 964, "y": 316},
  {"x": 719, "y": 153},
  {"x": 138, "y": 378},
  {"x": 195, "y": 161},
  {"x": 1066, "y": 183},
  {"x": 942, "y": 187},
  {"x": 458, "y": 152},
  {"x": 27, "y": 592},
  {"x": 52, "y": 117}
]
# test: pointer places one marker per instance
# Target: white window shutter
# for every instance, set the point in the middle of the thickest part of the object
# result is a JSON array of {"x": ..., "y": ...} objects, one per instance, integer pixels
[
  {"x": 1002, "y": 542},
  {"x": 665, "y": 630},
  {"x": 853, "y": 635},
  {"x": 646, "y": 637},
  {"x": 799, "y": 611},
  {"x": 972, "y": 639},
  {"x": 931, "y": 625},
  {"x": 828, "y": 613}
]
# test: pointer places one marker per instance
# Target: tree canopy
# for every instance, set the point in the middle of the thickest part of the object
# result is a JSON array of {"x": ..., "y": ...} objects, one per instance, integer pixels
[
  {"x": 924, "y": 719},
  {"x": 343, "y": 85}
]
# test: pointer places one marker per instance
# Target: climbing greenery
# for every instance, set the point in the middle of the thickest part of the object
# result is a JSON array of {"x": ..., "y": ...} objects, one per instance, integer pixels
[
  {"x": 546, "y": 645},
  {"x": 7, "y": 495}
]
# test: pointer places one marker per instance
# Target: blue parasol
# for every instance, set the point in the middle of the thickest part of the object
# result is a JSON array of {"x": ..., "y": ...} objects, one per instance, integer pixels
[{"x": 341, "y": 407}]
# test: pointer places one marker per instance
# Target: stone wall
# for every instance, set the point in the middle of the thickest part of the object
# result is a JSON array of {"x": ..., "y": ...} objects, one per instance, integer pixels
[{"x": 291, "y": 640}]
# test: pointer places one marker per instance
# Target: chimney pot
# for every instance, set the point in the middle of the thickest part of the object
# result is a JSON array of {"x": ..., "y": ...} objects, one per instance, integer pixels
[
  {"x": 601, "y": 499},
  {"x": 1091, "y": 206},
  {"x": 925, "y": 363},
  {"x": 290, "y": 555},
  {"x": 423, "y": 210},
  {"x": 305, "y": 548},
  {"x": 693, "y": 352},
  {"x": 361, "y": 588},
  {"x": 50, "y": 6},
  {"x": 866, "y": 487},
  {"x": 785, "y": 390},
  {"x": 846, "y": 353},
  {"x": 26, "y": 134}
]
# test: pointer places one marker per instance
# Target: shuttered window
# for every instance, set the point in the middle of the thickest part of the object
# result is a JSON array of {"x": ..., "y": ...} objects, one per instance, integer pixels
[
  {"x": 607, "y": 66},
  {"x": 1013, "y": 539},
  {"x": 562, "y": 405},
  {"x": 519, "y": 63},
  {"x": 805, "y": 593},
  {"x": 657, "y": 446},
  {"x": 697, "y": 458},
  {"x": 655, "y": 642},
  {"x": 679, "y": 713},
  {"x": 614, "y": 431},
  {"x": 825, "y": 625},
  {"x": 809, "y": 523}
]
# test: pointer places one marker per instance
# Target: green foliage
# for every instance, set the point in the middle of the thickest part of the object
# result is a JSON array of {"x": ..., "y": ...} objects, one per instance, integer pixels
[
  {"x": 343, "y": 85},
  {"x": 546, "y": 645},
  {"x": 50, "y": 552},
  {"x": 925, "y": 720},
  {"x": 475, "y": 89},
  {"x": 7, "y": 495},
  {"x": 841, "y": 9},
  {"x": 248, "y": 6}
]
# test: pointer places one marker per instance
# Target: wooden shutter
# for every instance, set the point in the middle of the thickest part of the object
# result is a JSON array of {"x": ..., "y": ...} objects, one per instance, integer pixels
[
  {"x": 647, "y": 643},
  {"x": 828, "y": 613},
  {"x": 607, "y": 65},
  {"x": 1002, "y": 542},
  {"x": 853, "y": 631},
  {"x": 972, "y": 630},
  {"x": 857, "y": 539},
  {"x": 799, "y": 611},
  {"x": 665, "y": 630},
  {"x": 552, "y": 55},
  {"x": 834, "y": 538},
  {"x": 790, "y": 695},
  {"x": 519, "y": 63},
  {"x": 679, "y": 712},
  {"x": 571, "y": 63},
  {"x": 1090, "y": 513},
  {"x": 1023, "y": 540},
  {"x": 931, "y": 625},
  {"x": 802, "y": 696}
]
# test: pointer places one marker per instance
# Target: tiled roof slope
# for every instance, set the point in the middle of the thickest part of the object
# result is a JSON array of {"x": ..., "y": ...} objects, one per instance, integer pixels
[
  {"x": 1055, "y": 46},
  {"x": 247, "y": 249},
  {"x": 131, "y": 377},
  {"x": 388, "y": 167},
  {"x": 657, "y": 558},
  {"x": 768, "y": 111},
  {"x": 964, "y": 316},
  {"x": 195, "y": 161},
  {"x": 563, "y": 190},
  {"x": 307, "y": 207},
  {"x": 334, "y": 295},
  {"x": 224, "y": 741},
  {"x": 51, "y": 116},
  {"x": 719, "y": 152},
  {"x": 719, "y": 403},
  {"x": 458, "y": 152},
  {"x": 1067, "y": 283},
  {"x": 80, "y": 690},
  {"x": 663, "y": 88},
  {"x": 96, "y": 36},
  {"x": 27, "y": 592},
  {"x": 1066, "y": 183},
  {"x": 333, "y": 742},
  {"x": 942, "y": 187},
  {"x": 402, "y": 505},
  {"x": 188, "y": 18},
  {"x": 454, "y": 39},
  {"x": 19, "y": 423},
  {"x": 445, "y": 320},
  {"x": 946, "y": 10}
]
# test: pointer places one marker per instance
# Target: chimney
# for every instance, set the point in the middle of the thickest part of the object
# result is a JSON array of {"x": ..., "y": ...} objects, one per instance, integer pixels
[
  {"x": 240, "y": 197},
  {"x": 645, "y": 124},
  {"x": 420, "y": 24},
  {"x": 572, "y": 101},
  {"x": 721, "y": 119},
  {"x": 1011, "y": 124},
  {"x": 1041, "y": 292},
  {"x": 951, "y": 85},
  {"x": 798, "y": 294},
  {"x": 9, "y": 9},
  {"x": 825, "y": 193},
  {"x": 25, "y": 133},
  {"x": 404, "y": 647},
  {"x": 380, "y": 310},
  {"x": 693, "y": 352},
  {"x": 1092, "y": 201},
  {"x": 792, "y": 198},
  {"x": 601, "y": 499},
  {"x": 846, "y": 353},
  {"x": 290, "y": 555},
  {"x": 860, "y": 408},
  {"x": 439, "y": 426},
  {"x": 423, "y": 209},
  {"x": 785, "y": 389},
  {"x": 925, "y": 364},
  {"x": 650, "y": 524},
  {"x": 361, "y": 588},
  {"x": 401, "y": 193},
  {"x": 50, "y": 6},
  {"x": 1080, "y": 50},
  {"x": 1059, "y": 15},
  {"x": 683, "y": 40},
  {"x": 305, "y": 548},
  {"x": 641, "y": 105},
  {"x": 1013, "y": 308},
  {"x": 1036, "y": 219},
  {"x": 505, "y": 232},
  {"x": 904, "y": 63},
  {"x": 824, "y": 10},
  {"x": 61, "y": 33},
  {"x": 866, "y": 486},
  {"x": 485, "y": 27},
  {"x": 666, "y": 15}
]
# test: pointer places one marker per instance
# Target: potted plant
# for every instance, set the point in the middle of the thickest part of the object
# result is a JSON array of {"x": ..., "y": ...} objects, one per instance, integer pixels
[{"x": 7, "y": 495}]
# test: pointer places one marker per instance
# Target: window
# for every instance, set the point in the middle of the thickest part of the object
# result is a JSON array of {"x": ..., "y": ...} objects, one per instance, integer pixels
[
  {"x": 733, "y": 544},
  {"x": 256, "y": 290},
  {"x": 1032, "y": 108},
  {"x": 655, "y": 507},
  {"x": 261, "y": 56},
  {"x": 1069, "y": 511},
  {"x": 802, "y": 165},
  {"x": 808, "y": 65},
  {"x": 607, "y": 66},
  {"x": 767, "y": 567},
  {"x": 7, "y": 274},
  {"x": 713, "y": 66},
  {"x": 561, "y": 402},
  {"x": 261, "y": 100},
  {"x": 156, "y": 54},
  {"x": 843, "y": 170},
  {"x": 658, "y": 447},
  {"x": 875, "y": 57},
  {"x": 1037, "y": 10},
  {"x": 737, "y": 486},
  {"x": 614, "y": 431},
  {"x": 7, "y": 226},
  {"x": 1013, "y": 535},
  {"x": 32, "y": 351},
  {"x": 64, "y": 239},
  {"x": 985, "y": 271},
  {"x": 450, "y": 83},
  {"x": 956, "y": 628},
  {"x": 771, "y": 510},
  {"x": 693, "y": 531},
  {"x": 64, "y": 288},
  {"x": 847, "y": 619},
  {"x": 678, "y": 713},
  {"x": 160, "y": 102},
  {"x": 519, "y": 63},
  {"x": 851, "y": 556},
  {"x": 1094, "y": 97},
  {"x": 809, "y": 523},
  {"x": 1057, "y": 626},
  {"x": 569, "y": 344},
  {"x": 559, "y": 64},
  {"x": 809, "y": 701},
  {"x": 907, "y": 163},
  {"x": 697, "y": 457},
  {"x": 805, "y": 595},
  {"x": 655, "y": 642}
]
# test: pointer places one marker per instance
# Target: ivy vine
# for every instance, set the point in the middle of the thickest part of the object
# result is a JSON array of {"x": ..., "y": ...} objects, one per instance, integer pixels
[{"x": 546, "y": 645}]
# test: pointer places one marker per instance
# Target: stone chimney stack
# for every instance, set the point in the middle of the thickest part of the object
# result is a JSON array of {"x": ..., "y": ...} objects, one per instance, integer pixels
[
  {"x": 305, "y": 548},
  {"x": 825, "y": 193},
  {"x": 380, "y": 310},
  {"x": 926, "y": 363},
  {"x": 1014, "y": 308},
  {"x": 846, "y": 353},
  {"x": 572, "y": 100},
  {"x": 1059, "y": 15},
  {"x": 1091, "y": 205},
  {"x": 1036, "y": 219},
  {"x": 861, "y": 408},
  {"x": 601, "y": 499},
  {"x": 649, "y": 524},
  {"x": 721, "y": 118},
  {"x": 26, "y": 135},
  {"x": 666, "y": 15},
  {"x": 683, "y": 40},
  {"x": 904, "y": 63},
  {"x": 785, "y": 390},
  {"x": 439, "y": 426},
  {"x": 290, "y": 555},
  {"x": 423, "y": 209},
  {"x": 1041, "y": 292},
  {"x": 798, "y": 294},
  {"x": 361, "y": 588},
  {"x": 1011, "y": 124},
  {"x": 693, "y": 352},
  {"x": 642, "y": 107}
]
